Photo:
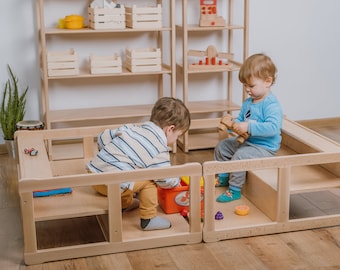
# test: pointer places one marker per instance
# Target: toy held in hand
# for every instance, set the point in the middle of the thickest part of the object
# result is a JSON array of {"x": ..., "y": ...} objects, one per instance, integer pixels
[{"x": 227, "y": 122}]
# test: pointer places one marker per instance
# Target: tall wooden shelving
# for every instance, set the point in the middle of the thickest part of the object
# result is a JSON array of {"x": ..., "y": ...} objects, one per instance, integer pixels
[
  {"x": 54, "y": 118},
  {"x": 203, "y": 132}
]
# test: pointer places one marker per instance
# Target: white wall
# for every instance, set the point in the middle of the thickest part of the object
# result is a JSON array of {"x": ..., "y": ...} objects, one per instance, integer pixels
[{"x": 302, "y": 37}]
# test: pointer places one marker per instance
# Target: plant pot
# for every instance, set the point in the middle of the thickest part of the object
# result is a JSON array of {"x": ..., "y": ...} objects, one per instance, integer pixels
[{"x": 11, "y": 148}]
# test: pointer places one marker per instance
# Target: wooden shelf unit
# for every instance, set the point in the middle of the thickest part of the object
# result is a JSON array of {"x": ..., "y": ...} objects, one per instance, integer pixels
[
  {"x": 47, "y": 37},
  {"x": 203, "y": 110}
]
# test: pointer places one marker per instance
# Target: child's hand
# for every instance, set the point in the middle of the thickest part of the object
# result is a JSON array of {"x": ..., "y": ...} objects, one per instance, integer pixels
[{"x": 240, "y": 127}]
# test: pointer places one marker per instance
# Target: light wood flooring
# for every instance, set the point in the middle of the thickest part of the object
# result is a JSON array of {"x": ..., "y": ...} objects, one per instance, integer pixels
[{"x": 309, "y": 249}]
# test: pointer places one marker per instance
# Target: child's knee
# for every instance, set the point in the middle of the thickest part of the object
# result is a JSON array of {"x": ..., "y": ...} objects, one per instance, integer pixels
[{"x": 101, "y": 189}]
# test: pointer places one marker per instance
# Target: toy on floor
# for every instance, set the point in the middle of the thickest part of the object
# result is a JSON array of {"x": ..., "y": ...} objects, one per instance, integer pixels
[
  {"x": 242, "y": 210},
  {"x": 227, "y": 122},
  {"x": 219, "y": 215}
]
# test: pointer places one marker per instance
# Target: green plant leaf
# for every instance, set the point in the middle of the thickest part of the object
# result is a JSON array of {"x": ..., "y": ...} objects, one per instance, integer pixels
[{"x": 13, "y": 105}]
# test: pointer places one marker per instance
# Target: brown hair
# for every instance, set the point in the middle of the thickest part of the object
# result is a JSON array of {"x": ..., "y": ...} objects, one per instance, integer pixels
[
  {"x": 169, "y": 111},
  {"x": 257, "y": 66}
]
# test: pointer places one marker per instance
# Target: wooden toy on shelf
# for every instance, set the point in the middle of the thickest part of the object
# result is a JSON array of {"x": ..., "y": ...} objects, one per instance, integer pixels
[
  {"x": 227, "y": 122},
  {"x": 209, "y": 14},
  {"x": 213, "y": 60}
]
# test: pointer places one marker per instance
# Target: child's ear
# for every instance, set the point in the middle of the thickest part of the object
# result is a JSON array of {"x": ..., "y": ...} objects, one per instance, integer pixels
[
  {"x": 269, "y": 81},
  {"x": 168, "y": 129}
]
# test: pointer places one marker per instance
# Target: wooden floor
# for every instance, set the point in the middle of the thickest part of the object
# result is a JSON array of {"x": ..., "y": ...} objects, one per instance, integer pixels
[{"x": 310, "y": 249}]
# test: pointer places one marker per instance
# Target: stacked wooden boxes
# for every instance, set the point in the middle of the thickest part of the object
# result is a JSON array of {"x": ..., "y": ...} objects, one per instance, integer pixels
[
  {"x": 144, "y": 17},
  {"x": 107, "y": 18},
  {"x": 143, "y": 60},
  {"x": 105, "y": 64},
  {"x": 63, "y": 63}
]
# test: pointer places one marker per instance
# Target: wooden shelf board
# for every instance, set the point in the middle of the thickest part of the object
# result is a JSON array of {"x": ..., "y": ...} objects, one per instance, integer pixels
[
  {"x": 83, "y": 201},
  {"x": 214, "y": 70},
  {"x": 118, "y": 112},
  {"x": 85, "y": 73},
  {"x": 232, "y": 220},
  {"x": 131, "y": 221},
  {"x": 235, "y": 67},
  {"x": 99, "y": 113},
  {"x": 212, "y": 106},
  {"x": 85, "y": 30},
  {"x": 197, "y": 28}
]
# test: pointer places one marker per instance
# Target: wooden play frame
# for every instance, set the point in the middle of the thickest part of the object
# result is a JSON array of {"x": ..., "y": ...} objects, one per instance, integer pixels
[
  {"x": 49, "y": 170},
  {"x": 307, "y": 161}
]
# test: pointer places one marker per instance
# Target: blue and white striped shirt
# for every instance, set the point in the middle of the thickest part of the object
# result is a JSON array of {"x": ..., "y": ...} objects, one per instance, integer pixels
[{"x": 131, "y": 147}]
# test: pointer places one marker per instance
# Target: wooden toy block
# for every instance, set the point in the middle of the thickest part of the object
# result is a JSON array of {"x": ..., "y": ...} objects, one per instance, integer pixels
[
  {"x": 107, "y": 18},
  {"x": 213, "y": 60},
  {"x": 105, "y": 64},
  {"x": 143, "y": 60},
  {"x": 144, "y": 17},
  {"x": 208, "y": 15},
  {"x": 307, "y": 163},
  {"x": 227, "y": 122},
  {"x": 56, "y": 167},
  {"x": 62, "y": 63}
]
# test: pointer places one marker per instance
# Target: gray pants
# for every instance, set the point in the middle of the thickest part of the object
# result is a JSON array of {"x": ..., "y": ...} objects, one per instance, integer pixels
[{"x": 230, "y": 149}]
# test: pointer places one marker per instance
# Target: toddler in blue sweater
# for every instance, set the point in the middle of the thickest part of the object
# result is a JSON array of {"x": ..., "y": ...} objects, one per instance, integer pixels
[{"x": 260, "y": 115}]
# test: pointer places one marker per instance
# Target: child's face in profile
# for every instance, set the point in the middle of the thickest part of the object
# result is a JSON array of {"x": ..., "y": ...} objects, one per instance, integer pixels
[
  {"x": 171, "y": 134},
  {"x": 258, "y": 88}
]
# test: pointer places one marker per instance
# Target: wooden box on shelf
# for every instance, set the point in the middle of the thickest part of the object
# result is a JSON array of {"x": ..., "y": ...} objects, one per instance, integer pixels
[
  {"x": 107, "y": 18},
  {"x": 62, "y": 63},
  {"x": 143, "y": 60},
  {"x": 105, "y": 64},
  {"x": 144, "y": 17}
]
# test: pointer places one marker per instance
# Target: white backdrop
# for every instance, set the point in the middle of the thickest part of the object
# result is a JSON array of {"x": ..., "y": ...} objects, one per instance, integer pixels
[{"x": 302, "y": 37}]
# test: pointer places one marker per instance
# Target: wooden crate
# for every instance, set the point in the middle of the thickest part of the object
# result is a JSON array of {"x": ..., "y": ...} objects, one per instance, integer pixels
[
  {"x": 144, "y": 17},
  {"x": 63, "y": 63},
  {"x": 144, "y": 59},
  {"x": 105, "y": 64},
  {"x": 107, "y": 18}
]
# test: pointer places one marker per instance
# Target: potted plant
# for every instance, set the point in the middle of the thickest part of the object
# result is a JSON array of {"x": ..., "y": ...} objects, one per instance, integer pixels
[{"x": 13, "y": 108}]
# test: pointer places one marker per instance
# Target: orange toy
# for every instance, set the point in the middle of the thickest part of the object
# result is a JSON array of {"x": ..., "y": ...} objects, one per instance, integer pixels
[
  {"x": 227, "y": 122},
  {"x": 242, "y": 210}
]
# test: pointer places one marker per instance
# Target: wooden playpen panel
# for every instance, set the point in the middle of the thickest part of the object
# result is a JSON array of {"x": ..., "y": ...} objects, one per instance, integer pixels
[
  {"x": 306, "y": 162},
  {"x": 119, "y": 232}
]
